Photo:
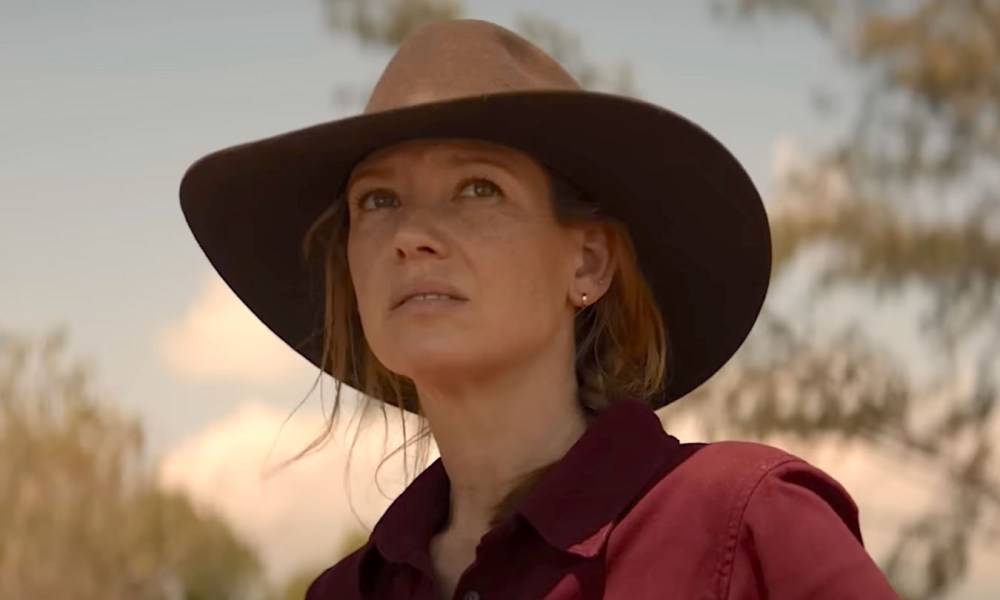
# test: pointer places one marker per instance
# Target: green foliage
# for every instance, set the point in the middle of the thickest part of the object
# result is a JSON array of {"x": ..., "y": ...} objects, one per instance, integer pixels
[{"x": 80, "y": 512}]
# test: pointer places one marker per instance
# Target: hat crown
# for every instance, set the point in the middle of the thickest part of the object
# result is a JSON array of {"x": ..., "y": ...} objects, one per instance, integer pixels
[{"x": 464, "y": 58}]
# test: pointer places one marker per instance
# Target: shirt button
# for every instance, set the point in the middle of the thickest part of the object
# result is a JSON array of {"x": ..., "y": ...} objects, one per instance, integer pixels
[{"x": 471, "y": 596}]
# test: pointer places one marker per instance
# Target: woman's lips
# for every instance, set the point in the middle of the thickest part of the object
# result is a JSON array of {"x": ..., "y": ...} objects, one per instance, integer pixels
[
  {"x": 429, "y": 303},
  {"x": 421, "y": 288}
]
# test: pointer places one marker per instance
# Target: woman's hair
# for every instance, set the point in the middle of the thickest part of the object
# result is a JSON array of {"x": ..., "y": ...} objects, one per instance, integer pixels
[{"x": 621, "y": 341}]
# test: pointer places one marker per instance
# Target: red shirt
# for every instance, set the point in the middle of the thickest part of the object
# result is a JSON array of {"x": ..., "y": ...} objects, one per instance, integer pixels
[{"x": 630, "y": 513}]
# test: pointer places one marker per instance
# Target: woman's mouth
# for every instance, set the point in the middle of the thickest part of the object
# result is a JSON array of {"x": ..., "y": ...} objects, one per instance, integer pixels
[{"x": 423, "y": 302}]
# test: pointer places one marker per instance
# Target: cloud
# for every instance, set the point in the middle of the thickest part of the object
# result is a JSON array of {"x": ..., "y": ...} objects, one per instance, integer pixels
[
  {"x": 299, "y": 516},
  {"x": 219, "y": 338},
  {"x": 788, "y": 157}
]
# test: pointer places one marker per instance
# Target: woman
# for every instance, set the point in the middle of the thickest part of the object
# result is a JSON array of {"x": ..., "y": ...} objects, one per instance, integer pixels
[{"x": 534, "y": 268}]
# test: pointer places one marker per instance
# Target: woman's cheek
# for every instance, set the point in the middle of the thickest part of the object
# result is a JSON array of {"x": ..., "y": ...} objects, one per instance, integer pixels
[
  {"x": 531, "y": 277},
  {"x": 363, "y": 273}
]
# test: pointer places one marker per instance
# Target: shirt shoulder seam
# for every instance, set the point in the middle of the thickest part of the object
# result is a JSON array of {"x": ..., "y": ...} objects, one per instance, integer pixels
[{"x": 737, "y": 513}]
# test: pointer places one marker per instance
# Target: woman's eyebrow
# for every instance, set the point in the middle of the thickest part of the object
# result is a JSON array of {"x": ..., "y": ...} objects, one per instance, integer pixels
[
  {"x": 476, "y": 158},
  {"x": 363, "y": 171},
  {"x": 386, "y": 171}
]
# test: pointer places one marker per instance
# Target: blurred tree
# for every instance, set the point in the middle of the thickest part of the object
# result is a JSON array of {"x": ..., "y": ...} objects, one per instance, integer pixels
[
  {"x": 296, "y": 586},
  {"x": 908, "y": 198},
  {"x": 80, "y": 513},
  {"x": 386, "y": 23},
  {"x": 921, "y": 201}
]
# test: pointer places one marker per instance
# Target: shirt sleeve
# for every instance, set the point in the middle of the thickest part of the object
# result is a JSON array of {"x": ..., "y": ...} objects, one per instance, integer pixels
[{"x": 799, "y": 538}]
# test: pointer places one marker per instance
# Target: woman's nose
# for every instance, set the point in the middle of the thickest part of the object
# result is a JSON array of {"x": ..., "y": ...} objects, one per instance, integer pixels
[{"x": 418, "y": 233}]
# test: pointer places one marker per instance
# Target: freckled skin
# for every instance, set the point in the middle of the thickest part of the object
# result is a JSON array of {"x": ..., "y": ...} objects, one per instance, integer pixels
[{"x": 416, "y": 212}]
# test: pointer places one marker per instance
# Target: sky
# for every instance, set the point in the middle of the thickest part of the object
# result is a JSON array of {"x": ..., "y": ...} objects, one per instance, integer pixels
[{"x": 104, "y": 105}]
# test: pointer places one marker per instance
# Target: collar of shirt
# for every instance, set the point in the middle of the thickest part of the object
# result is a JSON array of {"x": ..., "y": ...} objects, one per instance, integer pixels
[{"x": 573, "y": 507}]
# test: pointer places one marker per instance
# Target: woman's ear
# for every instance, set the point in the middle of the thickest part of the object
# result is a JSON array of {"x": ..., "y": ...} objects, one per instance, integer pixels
[{"x": 595, "y": 264}]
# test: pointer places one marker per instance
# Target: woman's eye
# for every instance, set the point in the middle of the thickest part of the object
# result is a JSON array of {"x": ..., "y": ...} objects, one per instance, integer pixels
[
  {"x": 480, "y": 188},
  {"x": 376, "y": 199}
]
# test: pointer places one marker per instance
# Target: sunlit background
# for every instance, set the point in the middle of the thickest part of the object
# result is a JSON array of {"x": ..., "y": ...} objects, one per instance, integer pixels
[{"x": 144, "y": 412}]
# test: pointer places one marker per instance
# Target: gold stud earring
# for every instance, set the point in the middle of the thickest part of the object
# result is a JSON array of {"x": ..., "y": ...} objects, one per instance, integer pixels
[{"x": 584, "y": 299}]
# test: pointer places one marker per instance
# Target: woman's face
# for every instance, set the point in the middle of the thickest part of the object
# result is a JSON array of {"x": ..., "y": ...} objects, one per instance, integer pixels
[{"x": 469, "y": 224}]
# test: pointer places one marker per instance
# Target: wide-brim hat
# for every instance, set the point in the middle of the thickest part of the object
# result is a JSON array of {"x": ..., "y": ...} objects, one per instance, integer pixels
[{"x": 695, "y": 218}]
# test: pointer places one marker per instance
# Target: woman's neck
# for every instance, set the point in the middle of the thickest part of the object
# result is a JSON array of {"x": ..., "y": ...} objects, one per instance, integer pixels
[{"x": 511, "y": 426}]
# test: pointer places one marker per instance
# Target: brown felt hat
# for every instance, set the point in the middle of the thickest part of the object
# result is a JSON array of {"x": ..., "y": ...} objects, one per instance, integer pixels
[{"x": 696, "y": 220}]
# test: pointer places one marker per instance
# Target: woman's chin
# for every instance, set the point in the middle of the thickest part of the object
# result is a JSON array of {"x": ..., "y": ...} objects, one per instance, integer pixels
[{"x": 430, "y": 360}]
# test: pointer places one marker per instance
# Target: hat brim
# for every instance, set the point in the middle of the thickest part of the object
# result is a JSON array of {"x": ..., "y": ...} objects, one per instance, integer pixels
[{"x": 695, "y": 217}]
